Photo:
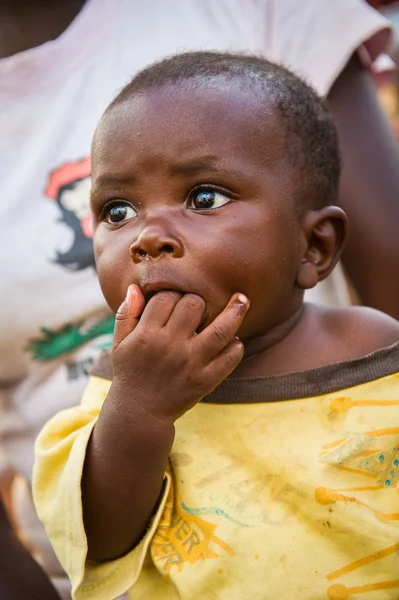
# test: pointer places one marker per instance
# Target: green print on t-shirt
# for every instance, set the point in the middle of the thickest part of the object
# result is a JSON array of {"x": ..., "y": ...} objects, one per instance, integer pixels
[{"x": 69, "y": 337}]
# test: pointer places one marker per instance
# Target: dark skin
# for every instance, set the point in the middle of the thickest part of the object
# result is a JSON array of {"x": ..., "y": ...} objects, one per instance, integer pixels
[
  {"x": 25, "y": 24},
  {"x": 370, "y": 180},
  {"x": 195, "y": 217},
  {"x": 20, "y": 576},
  {"x": 369, "y": 191}
]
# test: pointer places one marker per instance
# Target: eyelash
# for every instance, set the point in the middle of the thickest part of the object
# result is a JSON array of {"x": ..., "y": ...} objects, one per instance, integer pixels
[
  {"x": 200, "y": 187},
  {"x": 110, "y": 203}
]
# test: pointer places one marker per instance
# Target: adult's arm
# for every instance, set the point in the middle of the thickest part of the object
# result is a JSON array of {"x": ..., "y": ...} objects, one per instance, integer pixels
[
  {"x": 20, "y": 575},
  {"x": 369, "y": 191}
]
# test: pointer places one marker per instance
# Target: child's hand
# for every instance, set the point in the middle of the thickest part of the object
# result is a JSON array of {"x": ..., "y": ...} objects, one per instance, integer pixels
[
  {"x": 159, "y": 360},
  {"x": 161, "y": 369}
]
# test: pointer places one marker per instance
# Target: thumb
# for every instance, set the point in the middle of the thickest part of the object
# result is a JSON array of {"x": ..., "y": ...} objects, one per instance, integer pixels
[{"x": 128, "y": 314}]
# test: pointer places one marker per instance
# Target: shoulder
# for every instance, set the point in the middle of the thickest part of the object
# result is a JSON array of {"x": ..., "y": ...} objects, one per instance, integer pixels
[
  {"x": 338, "y": 335},
  {"x": 363, "y": 330}
]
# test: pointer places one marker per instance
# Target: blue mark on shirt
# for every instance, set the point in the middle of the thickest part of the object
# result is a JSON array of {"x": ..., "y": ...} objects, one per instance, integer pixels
[{"x": 211, "y": 510}]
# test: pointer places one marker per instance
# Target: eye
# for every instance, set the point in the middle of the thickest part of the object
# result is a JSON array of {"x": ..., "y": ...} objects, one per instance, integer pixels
[
  {"x": 204, "y": 199},
  {"x": 119, "y": 212}
]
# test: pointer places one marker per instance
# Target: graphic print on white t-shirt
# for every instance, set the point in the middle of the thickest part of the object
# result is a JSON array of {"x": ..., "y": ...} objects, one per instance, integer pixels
[
  {"x": 53, "y": 343},
  {"x": 69, "y": 186}
]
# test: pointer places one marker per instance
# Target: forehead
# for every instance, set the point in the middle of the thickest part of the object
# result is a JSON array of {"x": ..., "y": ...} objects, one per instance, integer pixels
[{"x": 169, "y": 123}]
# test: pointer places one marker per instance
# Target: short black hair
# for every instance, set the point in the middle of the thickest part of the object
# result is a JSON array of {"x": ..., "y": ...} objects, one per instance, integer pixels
[{"x": 310, "y": 135}]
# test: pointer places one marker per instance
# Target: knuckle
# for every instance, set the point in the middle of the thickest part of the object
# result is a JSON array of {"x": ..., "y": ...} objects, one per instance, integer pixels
[
  {"x": 235, "y": 354},
  {"x": 142, "y": 338},
  {"x": 194, "y": 302},
  {"x": 121, "y": 314},
  {"x": 221, "y": 333},
  {"x": 177, "y": 359},
  {"x": 155, "y": 342},
  {"x": 166, "y": 296},
  {"x": 201, "y": 387}
]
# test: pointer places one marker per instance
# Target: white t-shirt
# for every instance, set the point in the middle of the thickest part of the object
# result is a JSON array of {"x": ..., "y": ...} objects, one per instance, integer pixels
[{"x": 53, "y": 318}]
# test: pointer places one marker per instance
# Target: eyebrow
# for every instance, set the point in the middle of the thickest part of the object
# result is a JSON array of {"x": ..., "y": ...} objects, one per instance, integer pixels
[
  {"x": 208, "y": 163},
  {"x": 112, "y": 180},
  {"x": 205, "y": 164}
]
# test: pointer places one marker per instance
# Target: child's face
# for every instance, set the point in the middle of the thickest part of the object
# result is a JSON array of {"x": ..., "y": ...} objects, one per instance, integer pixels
[{"x": 192, "y": 192}]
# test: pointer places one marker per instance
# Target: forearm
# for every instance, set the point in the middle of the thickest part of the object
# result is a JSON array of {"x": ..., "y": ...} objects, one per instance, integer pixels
[
  {"x": 370, "y": 197},
  {"x": 123, "y": 475},
  {"x": 161, "y": 369},
  {"x": 375, "y": 278},
  {"x": 369, "y": 189}
]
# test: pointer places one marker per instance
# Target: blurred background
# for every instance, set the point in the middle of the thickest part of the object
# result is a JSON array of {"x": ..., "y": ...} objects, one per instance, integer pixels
[
  {"x": 61, "y": 63},
  {"x": 386, "y": 74}
]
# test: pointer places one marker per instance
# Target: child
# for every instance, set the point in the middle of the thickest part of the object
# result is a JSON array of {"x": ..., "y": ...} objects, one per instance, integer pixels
[{"x": 214, "y": 181}]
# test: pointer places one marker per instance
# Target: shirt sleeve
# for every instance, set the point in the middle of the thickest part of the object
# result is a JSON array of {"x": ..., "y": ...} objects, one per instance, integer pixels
[
  {"x": 60, "y": 452},
  {"x": 316, "y": 38}
]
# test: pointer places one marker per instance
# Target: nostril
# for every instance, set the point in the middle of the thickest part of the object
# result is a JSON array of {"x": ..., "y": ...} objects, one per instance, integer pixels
[
  {"x": 141, "y": 253},
  {"x": 151, "y": 250},
  {"x": 167, "y": 248}
]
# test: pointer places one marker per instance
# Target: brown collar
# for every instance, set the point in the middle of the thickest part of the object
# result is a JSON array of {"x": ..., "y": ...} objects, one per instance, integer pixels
[{"x": 290, "y": 386}]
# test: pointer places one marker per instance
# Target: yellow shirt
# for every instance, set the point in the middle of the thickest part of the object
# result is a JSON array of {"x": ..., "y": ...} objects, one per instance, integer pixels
[{"x": 264, "y": 497}]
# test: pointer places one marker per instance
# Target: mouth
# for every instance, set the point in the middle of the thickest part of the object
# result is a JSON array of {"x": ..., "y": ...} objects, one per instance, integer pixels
[{"x": 149, "y": 289}]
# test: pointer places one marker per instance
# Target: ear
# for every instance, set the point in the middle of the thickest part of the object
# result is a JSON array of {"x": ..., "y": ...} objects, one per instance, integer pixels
[{"x": 326, "y": 232}]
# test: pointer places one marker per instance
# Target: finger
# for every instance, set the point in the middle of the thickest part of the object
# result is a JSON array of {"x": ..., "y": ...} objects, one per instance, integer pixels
[
  {"x": 159, "y": 308},
  {"x": 222, "y": 330},
  {"x": 128, "y": 314},
  {"x": 224, "y": 363},
  {"x": 186, "y": 316}
]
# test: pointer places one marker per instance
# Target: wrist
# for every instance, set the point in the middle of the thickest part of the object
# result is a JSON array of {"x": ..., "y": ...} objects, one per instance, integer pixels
[{"x": 133, "y": 407}]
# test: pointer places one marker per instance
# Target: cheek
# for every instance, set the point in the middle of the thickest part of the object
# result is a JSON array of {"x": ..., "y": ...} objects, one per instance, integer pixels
[
  {"x": 245, "y": 258},
  {"x": 265, "y": 267},
  {"x": 112, "y": 262}
]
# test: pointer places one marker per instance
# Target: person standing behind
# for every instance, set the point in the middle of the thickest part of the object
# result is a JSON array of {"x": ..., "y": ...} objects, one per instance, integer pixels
[
  {"x": 20, "y": 575},
  {"x": 61, "y": 64}
]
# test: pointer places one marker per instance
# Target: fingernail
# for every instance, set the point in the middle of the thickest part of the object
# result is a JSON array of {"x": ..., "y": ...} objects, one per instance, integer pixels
[
  {"x": 130, "y": 295},
  {"x": 241, "y": 299}
]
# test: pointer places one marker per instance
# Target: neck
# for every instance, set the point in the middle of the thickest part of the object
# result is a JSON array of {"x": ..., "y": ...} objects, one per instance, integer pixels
[
  {"x": 262, "y": 355},
  {"x": 27, "y": 24}
]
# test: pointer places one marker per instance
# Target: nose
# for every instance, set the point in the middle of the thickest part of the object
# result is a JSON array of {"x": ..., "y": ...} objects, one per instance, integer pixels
[{"x": 155, "y": 241}]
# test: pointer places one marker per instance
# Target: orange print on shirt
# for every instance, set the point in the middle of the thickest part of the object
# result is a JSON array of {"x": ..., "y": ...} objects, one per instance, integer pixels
[
  {"x": 343, "y": 592},
  {"x": 373, "y": 455},
  {"x": 184, "y": 538}
]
